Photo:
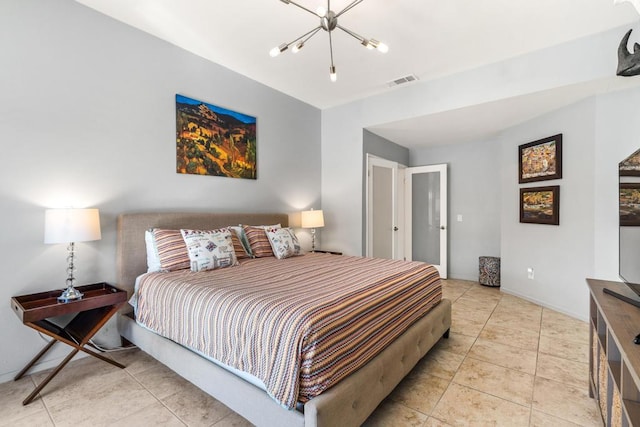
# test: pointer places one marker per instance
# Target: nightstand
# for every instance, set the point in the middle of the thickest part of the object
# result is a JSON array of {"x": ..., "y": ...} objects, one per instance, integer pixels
[
  {"x": 328, "y": 252},
  {"x": 100, "y": 302}
]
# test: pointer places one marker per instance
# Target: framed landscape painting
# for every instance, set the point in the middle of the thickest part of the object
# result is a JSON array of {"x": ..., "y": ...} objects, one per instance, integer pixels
[
  {"x": 540, "y": 205},
  {"x": 212, "y": 140},
  {"x": 540, "y": 160},
  {"x": 631, "y": 165},
  {"x": 630, "y": 204}
]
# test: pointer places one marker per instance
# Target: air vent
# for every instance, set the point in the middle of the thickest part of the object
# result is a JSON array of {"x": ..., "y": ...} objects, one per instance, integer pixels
[{"x": 402, "y": 80}]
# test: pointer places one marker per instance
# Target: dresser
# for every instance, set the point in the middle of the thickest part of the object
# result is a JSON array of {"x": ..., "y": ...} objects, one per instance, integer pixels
[{"x": 614, "y": 360}]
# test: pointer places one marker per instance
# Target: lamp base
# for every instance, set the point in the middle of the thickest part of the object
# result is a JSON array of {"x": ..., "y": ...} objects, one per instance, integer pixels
[{"x": 70, "y": 294}]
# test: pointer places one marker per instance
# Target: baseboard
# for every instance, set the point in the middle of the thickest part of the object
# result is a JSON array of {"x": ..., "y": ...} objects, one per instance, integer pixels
[{"x": 545, "y": 304}]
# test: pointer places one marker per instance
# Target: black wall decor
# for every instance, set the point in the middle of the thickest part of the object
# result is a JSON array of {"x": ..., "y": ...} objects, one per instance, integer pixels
[{"x": 628, "y": 63}]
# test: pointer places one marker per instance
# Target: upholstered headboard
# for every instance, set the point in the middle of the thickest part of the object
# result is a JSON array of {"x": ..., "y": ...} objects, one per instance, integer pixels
[{"x": 131, "y": 251}]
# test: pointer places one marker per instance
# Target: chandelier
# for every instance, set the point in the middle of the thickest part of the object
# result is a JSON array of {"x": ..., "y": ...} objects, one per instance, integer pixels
[{"x": 328, "y": 22}]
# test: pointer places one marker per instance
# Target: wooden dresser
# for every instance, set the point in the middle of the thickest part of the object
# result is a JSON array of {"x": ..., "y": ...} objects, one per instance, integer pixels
[{"x": 614, "y": 360}]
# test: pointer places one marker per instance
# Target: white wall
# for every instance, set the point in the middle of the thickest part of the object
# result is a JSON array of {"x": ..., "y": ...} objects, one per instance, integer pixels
[
  {"x": 87, "y": 118},
  {"x": 598, "y": 134},
  {"x": 561, "y": 256},
  {"x": 474, "y": 193},
  {"x": 617, "y": 136}
]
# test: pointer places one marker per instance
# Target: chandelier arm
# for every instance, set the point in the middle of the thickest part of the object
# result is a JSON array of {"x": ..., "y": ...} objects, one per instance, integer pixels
[
  {"x": 351, "y": 33},
  {"x": 303, "y": 8},
  {"x": 314, "y": 31},
  {"x": 348, "y": 8},
  {"x": 331, "y": 49}
]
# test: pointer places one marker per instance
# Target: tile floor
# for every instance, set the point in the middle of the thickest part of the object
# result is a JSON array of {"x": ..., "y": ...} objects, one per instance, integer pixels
[{"x": 507, "y": 363}]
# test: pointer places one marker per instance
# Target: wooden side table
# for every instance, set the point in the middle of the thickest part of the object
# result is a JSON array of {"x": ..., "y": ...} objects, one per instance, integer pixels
[
  {"x": 100, "y": 302},
  {"x": 328, "y": 252}
]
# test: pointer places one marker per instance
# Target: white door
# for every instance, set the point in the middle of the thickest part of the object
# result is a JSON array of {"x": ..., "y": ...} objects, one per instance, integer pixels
[
  {"x": 426, "y": 216},
  {"x": 382, "y": 209}
]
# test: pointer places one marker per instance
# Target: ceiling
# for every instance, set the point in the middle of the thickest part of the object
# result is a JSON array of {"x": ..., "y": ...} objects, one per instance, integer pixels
[
  {"x": 481, "y": 122},
  {"x": 427, "y": 38}
]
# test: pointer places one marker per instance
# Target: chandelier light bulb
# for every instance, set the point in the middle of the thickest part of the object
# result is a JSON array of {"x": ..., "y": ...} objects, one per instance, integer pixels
[
  {"x": 296, "y": 47},
  {"x": 278, "y": 50},
  {"x": 274, "y": 52},
  {"x": 375, "y": 44},
  {"x": 332, "y": 74}
]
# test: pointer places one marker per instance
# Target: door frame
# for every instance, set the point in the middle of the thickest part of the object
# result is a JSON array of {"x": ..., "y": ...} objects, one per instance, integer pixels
[{"x": 442, "y": 169}]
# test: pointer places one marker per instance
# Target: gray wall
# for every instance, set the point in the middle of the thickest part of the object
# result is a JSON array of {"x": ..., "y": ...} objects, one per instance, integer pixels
[
  {"x": 380, "y": 147},
  {"x": 474, "y": 193},
  {"x": 88, "y": 120}
]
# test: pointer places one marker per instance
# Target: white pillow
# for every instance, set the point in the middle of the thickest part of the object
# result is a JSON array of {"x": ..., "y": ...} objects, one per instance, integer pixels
[
  {"x": 283, "y": 242},
  {"x": 153, "y": 259},
  {"x": 209, "y": 249}
]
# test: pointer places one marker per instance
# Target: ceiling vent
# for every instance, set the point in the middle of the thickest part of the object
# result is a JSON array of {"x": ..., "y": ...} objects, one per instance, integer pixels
[{"x": 403, "y": 80}]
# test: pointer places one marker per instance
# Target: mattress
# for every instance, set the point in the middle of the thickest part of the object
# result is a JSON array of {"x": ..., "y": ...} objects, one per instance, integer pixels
[{"x": 299, "y": 325}]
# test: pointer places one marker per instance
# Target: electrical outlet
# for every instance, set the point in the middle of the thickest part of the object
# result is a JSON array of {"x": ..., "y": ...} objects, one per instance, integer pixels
[{"x": 530, "y": 273}]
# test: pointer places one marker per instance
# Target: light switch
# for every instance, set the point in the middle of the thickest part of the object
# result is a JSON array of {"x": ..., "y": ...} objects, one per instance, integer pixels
[{"x": 459, "y": 218}]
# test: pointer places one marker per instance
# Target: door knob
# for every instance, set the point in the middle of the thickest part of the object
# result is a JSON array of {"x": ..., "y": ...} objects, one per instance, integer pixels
[
  {"x": 395, "y": 228},
  {"x": 442, "y": 227}
]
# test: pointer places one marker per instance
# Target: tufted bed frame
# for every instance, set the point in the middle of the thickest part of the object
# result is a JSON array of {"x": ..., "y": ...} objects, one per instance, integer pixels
[{"x": 348, "y": 403}]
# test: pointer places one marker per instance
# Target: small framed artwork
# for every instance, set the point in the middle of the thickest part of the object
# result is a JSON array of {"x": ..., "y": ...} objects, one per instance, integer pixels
[
  {"x": 631, "y": 165},
  {"x": 540, "y": 205},
  {"x": 540, "y": 160},
  {"x": 630, "y": 204}
]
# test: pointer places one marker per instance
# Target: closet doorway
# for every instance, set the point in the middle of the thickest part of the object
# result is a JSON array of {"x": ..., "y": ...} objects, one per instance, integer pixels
[
  {"x": 406, "y": 212},
  {"x": 384, "y": 209},
  {"x": 426, "y": 212}
]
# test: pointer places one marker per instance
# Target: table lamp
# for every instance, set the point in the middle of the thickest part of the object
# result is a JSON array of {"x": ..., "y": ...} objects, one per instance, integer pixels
[
  {"x": 312, "y": 219},
  {"x": 71, "y": 226}
]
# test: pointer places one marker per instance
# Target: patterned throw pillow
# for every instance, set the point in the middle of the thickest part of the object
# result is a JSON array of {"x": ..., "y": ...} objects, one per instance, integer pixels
[
  {"x": 258, "y": 241},
  {"x": 169, "y": 248},
  {"x": 283, "y": 242},
  {"x": 209, "y": 249}
]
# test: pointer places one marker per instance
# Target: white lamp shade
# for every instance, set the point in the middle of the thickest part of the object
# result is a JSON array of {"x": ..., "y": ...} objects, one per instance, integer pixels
[
  {"x": 312, "y": 219},
  {"x": 71, "y": 225}
]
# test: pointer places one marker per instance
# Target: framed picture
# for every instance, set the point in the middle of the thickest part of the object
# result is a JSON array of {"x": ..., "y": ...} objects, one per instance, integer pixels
[
  {"x": 540, "y": 205},
  {"x": 631, "y": 165},
  {"x": 540, "y": 160},
  {"x": 212, "y": 140},
  {"x": 630, "y": 204}
]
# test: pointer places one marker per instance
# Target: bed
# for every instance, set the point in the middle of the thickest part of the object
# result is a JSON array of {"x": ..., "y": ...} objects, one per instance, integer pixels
[{"x": 348, "y": 402}]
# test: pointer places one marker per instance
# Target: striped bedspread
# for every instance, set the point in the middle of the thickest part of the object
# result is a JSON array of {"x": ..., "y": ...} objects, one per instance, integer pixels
[{"x": 300, "y": 324}]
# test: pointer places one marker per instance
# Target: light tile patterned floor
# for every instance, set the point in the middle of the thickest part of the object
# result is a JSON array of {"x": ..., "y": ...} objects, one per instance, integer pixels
[{"x": 507, "y": 363}]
